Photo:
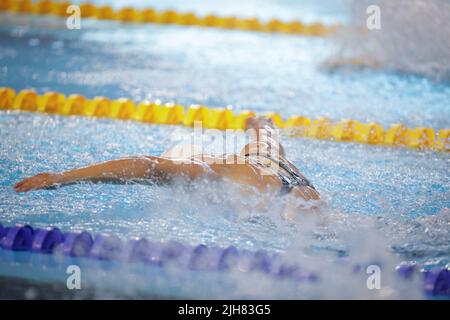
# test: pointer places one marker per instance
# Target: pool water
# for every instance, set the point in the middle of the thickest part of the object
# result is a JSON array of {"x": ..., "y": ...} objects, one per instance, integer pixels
[{"x": 381, "y": 204}]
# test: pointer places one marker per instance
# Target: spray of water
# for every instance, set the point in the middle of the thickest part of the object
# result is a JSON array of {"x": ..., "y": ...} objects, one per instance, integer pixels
[
  {"x": 414, "y": 38},
  {"x": 216, "y": 214}
]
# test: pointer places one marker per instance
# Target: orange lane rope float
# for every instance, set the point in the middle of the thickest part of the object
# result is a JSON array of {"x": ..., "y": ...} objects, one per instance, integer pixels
[
  {"x": 347, "y": 130},
  {"x": 148, "y": 15}
]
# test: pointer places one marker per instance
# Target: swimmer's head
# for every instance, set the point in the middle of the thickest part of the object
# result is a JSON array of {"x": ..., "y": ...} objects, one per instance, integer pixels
[
  {"x": 255, "y": 148},
  {"x": 258, "y": 122}
]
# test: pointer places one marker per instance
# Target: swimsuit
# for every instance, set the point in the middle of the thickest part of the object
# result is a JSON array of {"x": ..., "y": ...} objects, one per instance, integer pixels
[{"x": 289, "y": 178}]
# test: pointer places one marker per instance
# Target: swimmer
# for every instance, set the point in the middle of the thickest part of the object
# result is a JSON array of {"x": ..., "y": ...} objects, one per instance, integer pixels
[{"x": 261, "y": 166}]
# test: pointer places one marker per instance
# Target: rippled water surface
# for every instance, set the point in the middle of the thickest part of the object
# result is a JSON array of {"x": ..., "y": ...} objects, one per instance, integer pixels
[{"x": 383, "y": 204}]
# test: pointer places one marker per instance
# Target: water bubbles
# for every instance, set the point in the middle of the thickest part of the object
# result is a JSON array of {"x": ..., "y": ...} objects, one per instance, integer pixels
[
  {"x": 18, "y": 32},
  {"x": 34, "y": 42},
  {"x": 383, "y": 205},
  {"x": 57, "y": 45}
]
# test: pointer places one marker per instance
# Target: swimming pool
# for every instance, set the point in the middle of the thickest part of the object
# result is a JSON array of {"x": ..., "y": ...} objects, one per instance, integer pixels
[{"x": 385, "y": 205}]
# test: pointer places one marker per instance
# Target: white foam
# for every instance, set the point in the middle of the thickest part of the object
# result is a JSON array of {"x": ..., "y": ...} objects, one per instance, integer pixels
[{"x": 414, "y": 37}]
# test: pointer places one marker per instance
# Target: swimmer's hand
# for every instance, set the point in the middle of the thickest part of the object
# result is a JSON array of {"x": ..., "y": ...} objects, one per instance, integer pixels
[
  {"x": 147, "y": 168},
  {"x": 40, "y": 181}
]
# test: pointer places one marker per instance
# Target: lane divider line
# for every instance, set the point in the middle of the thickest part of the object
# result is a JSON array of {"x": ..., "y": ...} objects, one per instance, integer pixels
[
  {"x": 200, "y": 258},
  {"x": 322, "y": 128},
  {"x": 148, "y": 15}
]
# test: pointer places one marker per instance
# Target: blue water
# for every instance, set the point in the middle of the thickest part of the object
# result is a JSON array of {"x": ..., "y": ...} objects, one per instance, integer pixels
[
  {"x": 398, "y": 195},
  {"x": 214, "y": 67}
]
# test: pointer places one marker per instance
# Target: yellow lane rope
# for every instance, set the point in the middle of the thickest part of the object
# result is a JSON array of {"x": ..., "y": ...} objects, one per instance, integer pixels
[
  {"x": 398, "y": 135},
  {"x": 148, "y": 15}
]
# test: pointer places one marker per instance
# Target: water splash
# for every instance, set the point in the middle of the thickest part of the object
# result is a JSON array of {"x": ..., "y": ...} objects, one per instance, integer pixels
[
  {"x": 414, "y": 38},
  {"x": 402, "y": 225}
]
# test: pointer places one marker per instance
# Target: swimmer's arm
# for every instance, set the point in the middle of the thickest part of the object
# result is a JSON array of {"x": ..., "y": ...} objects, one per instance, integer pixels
[{"x": 149, "y": 168}]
